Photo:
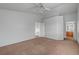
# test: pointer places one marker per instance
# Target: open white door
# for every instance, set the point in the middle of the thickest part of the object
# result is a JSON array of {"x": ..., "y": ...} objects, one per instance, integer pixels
[{"x": 39, "y": 29}]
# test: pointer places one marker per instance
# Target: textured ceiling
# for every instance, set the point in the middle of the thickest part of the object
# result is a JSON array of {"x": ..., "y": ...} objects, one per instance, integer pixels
[
  {"x": 34, "y": 7},
  {"x": 52, "y": 5}
]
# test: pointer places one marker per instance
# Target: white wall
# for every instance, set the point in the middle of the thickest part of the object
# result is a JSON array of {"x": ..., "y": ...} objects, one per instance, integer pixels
[
  {"x": 69, "y": 13},
  {"x": 16, "y": 26},
  {"x": 70, "y": 17},
  {"x": 54, "y": 27},
  {"x": 78, "y": 24}
]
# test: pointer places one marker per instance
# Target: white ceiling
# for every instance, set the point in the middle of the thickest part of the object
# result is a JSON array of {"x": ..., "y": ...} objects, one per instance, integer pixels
[
  {"x": 33, "y": 7},
  {"x": 52, "y": 5},
  {"x": 16, "y": 6},
  {"x": 62, "y": 10},
  {"x": 26, "y": 6}
]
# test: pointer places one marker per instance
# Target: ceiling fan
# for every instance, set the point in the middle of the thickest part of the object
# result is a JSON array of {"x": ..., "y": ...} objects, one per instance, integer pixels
[{"x": 42, "y": 7}]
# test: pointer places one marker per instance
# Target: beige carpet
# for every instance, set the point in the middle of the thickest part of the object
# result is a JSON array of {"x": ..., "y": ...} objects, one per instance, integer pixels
[{"x": 41, "y": 46}]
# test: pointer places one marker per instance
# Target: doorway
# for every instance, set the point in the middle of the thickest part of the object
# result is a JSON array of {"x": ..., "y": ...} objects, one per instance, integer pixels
[{"x": 70, "y": 30}]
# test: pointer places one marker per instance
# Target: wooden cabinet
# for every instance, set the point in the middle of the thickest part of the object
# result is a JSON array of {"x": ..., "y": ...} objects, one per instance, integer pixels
[{"x": 69, "y": 35}]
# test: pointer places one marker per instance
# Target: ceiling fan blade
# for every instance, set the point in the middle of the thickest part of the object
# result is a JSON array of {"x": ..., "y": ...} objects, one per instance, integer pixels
[{"x": 41, "y": 7}]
